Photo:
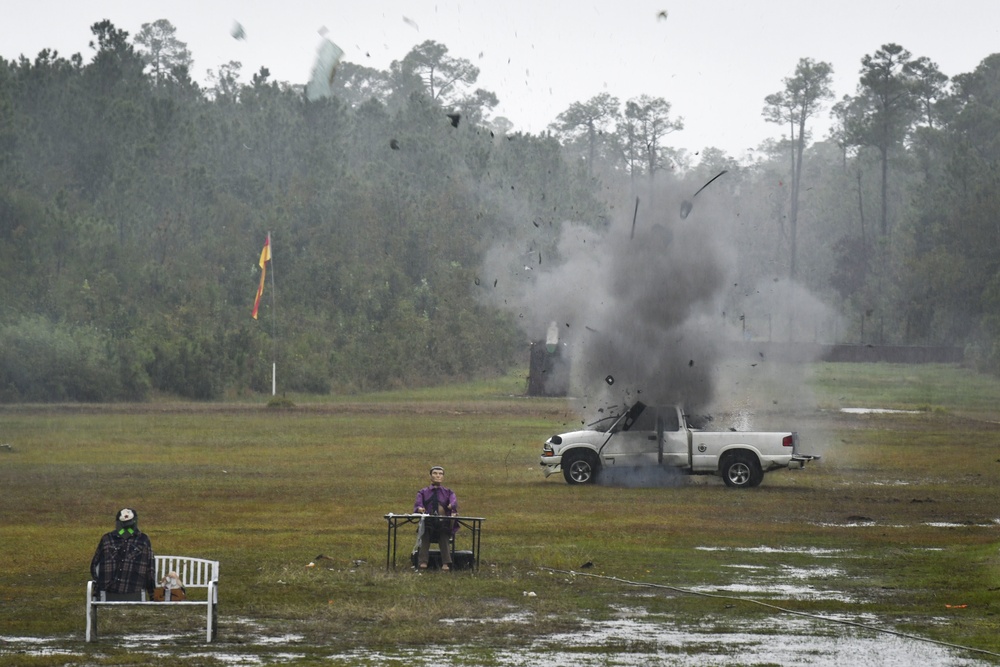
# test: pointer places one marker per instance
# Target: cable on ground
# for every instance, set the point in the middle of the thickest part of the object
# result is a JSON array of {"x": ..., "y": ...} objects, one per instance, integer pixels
[{"x": 775, "y": 607}]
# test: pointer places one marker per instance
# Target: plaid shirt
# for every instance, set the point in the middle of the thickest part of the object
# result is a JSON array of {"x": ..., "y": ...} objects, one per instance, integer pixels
[{"x": 124, "y": 563}]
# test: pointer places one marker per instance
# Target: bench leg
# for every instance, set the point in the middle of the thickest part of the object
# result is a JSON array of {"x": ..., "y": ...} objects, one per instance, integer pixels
[
  {"x": 213, "y": 616},
  {"x": 91, "y": 614}
]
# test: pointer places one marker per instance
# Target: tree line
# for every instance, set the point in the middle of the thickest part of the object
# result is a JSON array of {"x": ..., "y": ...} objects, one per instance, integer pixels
[{"x": 134, "y": 203}]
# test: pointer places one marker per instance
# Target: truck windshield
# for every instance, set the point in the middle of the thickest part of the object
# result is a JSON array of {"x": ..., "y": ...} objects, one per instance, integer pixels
[
  {"x": 642, "y": 417},
  {"x": 602, "y": 424},
  {"x": 627, "y": 420}
]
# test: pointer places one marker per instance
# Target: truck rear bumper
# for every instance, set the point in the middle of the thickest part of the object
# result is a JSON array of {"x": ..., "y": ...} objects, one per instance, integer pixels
[{"x": 802, "y": 459}]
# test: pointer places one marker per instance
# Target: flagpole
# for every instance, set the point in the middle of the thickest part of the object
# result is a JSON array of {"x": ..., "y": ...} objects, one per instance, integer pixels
[{"x": 274, "y": 328}]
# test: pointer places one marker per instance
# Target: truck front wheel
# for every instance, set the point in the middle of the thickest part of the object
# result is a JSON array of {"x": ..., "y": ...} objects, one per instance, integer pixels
[
  {"x": 741, "y": 471},
  {"x": 579, "y": 468}
]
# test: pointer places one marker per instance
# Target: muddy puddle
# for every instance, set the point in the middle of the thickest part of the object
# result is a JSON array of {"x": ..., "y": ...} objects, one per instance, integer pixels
[
  {"x": 633, "y": 638},
  {"x": 878, "y": 411}
]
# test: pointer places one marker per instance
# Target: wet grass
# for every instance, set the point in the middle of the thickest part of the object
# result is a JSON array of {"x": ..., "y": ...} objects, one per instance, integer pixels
[
  {"x": 266, "y": 491},
  {"x": 907, "y": 386}
]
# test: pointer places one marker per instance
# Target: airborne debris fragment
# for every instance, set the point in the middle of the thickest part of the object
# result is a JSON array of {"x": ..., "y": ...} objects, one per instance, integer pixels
[
  {"x": 237, "y": 31},
  {"x": 634, "y": 214},
  {"x": 687, "y": 205},
  {"x": 454, "y": 118},
  {"x": 410, "y": 22},
  {"x": 393, "y": 144},
  {"x": 328, "y": 56}
]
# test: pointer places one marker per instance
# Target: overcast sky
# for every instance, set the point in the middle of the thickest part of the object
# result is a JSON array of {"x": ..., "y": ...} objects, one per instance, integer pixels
[{"x": 713, "y": 61}]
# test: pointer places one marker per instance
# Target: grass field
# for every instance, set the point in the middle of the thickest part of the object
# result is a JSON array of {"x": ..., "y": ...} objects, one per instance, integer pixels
[{"x": 899, "y": 524}]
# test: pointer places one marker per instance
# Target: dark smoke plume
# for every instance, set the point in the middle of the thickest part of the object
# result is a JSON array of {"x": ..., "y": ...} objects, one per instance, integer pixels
[{"x": 637, "y": 313}]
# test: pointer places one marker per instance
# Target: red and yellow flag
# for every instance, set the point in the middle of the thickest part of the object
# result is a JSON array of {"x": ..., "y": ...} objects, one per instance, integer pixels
[{"x": 265, "y": 257}]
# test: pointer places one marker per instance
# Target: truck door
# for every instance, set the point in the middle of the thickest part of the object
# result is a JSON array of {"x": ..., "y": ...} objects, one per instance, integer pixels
[
  {"x": 672, "y": 444},
  {"x": 633, "y": 442},
  {"x": 649, "y": 437}
]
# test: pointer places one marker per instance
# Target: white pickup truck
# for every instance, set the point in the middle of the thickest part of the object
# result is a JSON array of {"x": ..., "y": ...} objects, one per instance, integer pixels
[{"x": 663, "y": 436}]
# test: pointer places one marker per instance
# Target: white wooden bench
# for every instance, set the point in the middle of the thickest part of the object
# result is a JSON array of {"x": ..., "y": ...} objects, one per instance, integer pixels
[{"x": 194, "y": 572}]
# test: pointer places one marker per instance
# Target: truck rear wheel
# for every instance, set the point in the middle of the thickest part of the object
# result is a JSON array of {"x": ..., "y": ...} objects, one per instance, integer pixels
[
  {"x": 579, "y": 468},
  {"x": 741, "y": 471}
]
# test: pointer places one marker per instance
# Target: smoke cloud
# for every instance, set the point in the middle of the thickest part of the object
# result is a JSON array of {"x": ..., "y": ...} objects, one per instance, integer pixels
[
  {"x": 641, "y": 310},
  {"x": 638, "y": 310}
]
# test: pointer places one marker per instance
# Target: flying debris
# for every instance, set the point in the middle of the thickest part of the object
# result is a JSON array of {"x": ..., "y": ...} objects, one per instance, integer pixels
[
  {"x": 393, "y": 144},
  {"x": 328, "y": 56},
  {"x": 634, "y": 214},
  {"x": 687, "y": 204},
  {"x": 410, "y": 22},
  {"x": 237, "y": 31},
  {"x": 661, "y": 16},
  {"x": 454, "y": 118}
]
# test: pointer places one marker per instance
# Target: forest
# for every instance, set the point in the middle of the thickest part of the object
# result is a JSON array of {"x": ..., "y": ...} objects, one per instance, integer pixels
[{"x": 405, "y": 220}]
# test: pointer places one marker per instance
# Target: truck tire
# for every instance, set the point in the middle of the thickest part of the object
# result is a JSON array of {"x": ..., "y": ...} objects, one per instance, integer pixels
[
  {"x": 579, "y": 468},
  {"x": 741, "y": 470}
]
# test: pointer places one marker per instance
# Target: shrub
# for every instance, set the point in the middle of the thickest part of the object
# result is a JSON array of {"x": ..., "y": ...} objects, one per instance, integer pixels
[{"x": 44, "y": 361}]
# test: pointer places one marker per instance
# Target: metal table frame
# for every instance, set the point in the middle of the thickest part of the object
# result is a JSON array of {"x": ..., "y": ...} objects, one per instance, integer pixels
[{"x": 474, "y": 524}]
